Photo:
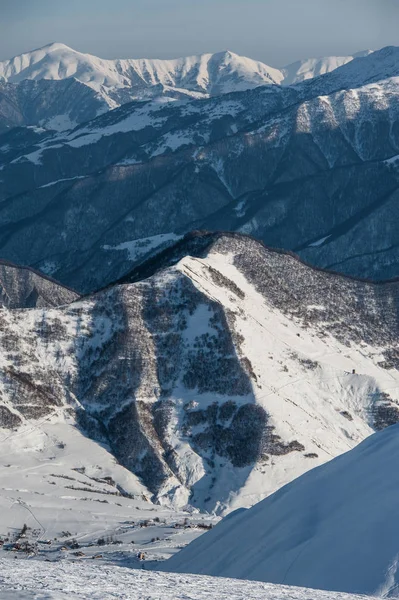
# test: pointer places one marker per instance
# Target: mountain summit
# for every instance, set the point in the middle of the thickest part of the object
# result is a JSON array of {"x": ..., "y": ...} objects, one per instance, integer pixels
[{"x": 205, "y": 74}]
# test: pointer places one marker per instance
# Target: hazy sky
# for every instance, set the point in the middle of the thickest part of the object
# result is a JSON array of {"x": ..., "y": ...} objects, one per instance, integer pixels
[{"x": 274, "y": 31}]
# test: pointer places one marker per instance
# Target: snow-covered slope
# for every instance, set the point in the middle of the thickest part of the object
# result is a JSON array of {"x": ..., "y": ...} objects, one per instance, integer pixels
[
  {"x": 209, "y": 74},
  {"x": 335, "y": 528},
  {"x": 42, "y": 581},
  {"x": 55, "y": 105},
  {"x": 378, "y": 71},
  {"x": 58, "y": 88},
  {"x": 310, "y": 68},
  {"x": 78, "y": 502},
  {"x": 21, "y": 287},
  {"x": 206, "y": 74},
  {"x": 224, "y": 373}
]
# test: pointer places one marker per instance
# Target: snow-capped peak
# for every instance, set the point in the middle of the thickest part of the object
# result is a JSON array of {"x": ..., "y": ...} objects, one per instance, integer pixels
[
  {"x": 367, "y": 69},
  {"x": 206, "y": 73},
  {"x": 310, "y": 68}
]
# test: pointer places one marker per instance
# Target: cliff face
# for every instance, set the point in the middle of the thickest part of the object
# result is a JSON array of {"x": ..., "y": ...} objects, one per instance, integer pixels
[{"x": 226, "y": 373}]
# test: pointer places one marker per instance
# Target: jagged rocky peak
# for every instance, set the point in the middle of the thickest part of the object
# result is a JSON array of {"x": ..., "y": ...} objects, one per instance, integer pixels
[
  {"x": 226, "y": 370},
  {"x": 23, "y": 287}
]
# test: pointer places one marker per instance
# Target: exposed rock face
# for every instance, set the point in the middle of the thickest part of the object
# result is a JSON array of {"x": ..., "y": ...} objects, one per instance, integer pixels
[
  {"x": 309, "y": 168},
  {"x": 22, "y": 287},
  {"x": 228, "y": 370}
]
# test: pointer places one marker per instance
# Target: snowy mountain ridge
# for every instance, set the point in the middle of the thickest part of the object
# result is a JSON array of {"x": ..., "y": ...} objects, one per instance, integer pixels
[
  {"x": 302, "y": 70},
  {"x": 193, "y": 76},
  {"x": 225, "y": 373},
  {"x": 116, "y": 82},
  {"x": 56, "y": 61}
]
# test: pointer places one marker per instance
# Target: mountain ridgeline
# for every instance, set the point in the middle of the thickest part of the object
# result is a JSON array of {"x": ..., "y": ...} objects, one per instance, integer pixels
[
  {"x": 57, "y": 86},
  {"x": 224, "y": 371},
  {"x": 311, "y": 167}
]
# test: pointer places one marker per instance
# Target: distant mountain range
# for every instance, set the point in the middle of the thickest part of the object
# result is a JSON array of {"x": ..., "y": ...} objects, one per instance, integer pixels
[
  {"x": 28, "y": 98},
  {"x": 310, "y": 168}
]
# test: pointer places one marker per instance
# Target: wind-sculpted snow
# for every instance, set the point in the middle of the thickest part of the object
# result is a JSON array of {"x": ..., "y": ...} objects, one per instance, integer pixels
[
  {"x": 216, "y": 373},
  {"x": 334, "y": 528},
  {"x": 43, "y": 581}
]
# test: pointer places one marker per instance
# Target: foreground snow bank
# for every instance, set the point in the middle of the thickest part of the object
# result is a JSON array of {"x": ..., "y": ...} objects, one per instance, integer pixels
[
  {"x": 335, "y": 528},
  {"x": 32, "y": 579}
]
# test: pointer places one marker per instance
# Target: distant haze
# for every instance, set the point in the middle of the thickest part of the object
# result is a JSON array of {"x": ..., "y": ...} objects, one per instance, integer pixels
[{"x": 276, "y": 32}]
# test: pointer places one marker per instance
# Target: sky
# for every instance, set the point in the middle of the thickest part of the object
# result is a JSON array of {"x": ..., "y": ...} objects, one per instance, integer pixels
[{"x": 276, "y": 32}]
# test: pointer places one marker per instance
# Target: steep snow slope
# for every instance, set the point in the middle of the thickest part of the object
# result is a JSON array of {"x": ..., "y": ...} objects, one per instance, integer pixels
[
  {"x": 30, "y": 580},
  {"x": 334, "y": 528},
  {"x": 310, "y": 68},
  {"x": 21, "y": 287},
  {"x": 221, "y": 377},
  {"x": 206, "y": 74}
]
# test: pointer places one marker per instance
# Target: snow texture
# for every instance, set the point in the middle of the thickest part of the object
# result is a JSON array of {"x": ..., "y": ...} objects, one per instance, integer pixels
[
  {"x": 334, "y": 528},
  {"x": 43, "y": 581}
]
